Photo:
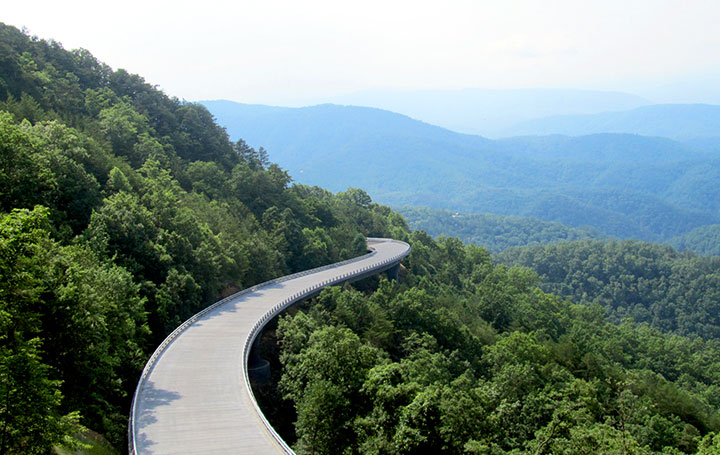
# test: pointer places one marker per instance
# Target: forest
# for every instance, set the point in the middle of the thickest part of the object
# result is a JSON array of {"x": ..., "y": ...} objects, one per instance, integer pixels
[
  {"x": 703, "y": 240},
  {"x": 494, "y": 232},
  {"x": 467, "y": 356},
  {"x": 500, "y": 232},
  {"x": 124, "y": 211},
  {"x": 673, "y": 292}
]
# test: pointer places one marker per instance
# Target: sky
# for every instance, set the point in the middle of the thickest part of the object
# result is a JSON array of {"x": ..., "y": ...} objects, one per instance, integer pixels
[{"x": 292, "y": 52}]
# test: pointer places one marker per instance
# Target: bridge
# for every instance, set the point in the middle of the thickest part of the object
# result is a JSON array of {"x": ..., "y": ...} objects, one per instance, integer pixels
[{"x": 194, "y": 395}]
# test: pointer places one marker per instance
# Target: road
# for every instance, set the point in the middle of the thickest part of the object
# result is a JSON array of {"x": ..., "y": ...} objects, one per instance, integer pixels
[{"x": 194, "y": 395}]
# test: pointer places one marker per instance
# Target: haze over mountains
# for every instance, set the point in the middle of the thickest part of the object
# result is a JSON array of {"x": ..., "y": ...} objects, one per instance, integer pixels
[
  {"x": 521, "y": 112},
  {"x": 489, "y": 112},
  {"x": 623, "y": 185},
  {"x": 679, "y": 121}
]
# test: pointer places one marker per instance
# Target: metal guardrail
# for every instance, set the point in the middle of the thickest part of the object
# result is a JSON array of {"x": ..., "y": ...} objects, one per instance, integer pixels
[{"x": 258, "y": 326}]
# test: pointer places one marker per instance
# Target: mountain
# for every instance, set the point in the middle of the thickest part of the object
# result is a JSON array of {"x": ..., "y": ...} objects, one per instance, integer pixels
[
  {"x": 623, "y": 185},
  {"x": 601, "y": 147},
  {"x": 677, "y": 121},
  {"x": 709, "y": 145},
  {"x": 326, "y": 144},
  {"x": 488, "y": 112}
]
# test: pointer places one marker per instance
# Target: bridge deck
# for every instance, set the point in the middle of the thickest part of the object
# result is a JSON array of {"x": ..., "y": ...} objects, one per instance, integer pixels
[{"x": 194, "y": 398}]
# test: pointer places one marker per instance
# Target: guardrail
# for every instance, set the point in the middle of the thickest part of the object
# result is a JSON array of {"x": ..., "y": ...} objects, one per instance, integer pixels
[{"x": 258, "y": 326}]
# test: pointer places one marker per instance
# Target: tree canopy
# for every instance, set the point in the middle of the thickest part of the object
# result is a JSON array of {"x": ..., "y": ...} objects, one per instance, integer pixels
[{"x": 489, "y": 364}]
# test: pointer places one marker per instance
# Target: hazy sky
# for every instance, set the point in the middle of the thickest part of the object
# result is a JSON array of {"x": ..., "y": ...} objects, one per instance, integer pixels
[{"x": 278, "y": 52}]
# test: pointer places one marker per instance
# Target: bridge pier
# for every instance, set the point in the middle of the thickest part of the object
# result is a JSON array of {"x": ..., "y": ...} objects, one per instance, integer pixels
[
  {"x": 258, "y": 368},
  {"x": 392, "y": 272}
]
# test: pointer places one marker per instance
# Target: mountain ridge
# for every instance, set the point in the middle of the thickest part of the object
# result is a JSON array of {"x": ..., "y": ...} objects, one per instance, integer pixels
[
  {"x": 625, "y": 185},
  {"x": 676, "y": 121},
  {"x": 488, "y": 111}
]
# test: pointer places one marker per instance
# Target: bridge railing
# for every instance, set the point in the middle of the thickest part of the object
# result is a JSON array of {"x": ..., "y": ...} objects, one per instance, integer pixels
[
  {"x": 279, "y": 308},
  {"x": 257, "y": 328}
]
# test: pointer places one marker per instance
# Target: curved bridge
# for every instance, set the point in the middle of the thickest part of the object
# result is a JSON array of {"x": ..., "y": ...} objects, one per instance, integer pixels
[{"x": 194, "y": 395}]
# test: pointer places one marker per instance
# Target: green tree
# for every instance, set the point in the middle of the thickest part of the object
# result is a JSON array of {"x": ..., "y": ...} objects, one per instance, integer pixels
[
  {"x": 30, "y": 401},
  {"x": 24, "y": 181},
  {"x": 123, "y": 126},
  {"x": 31, "y": 420},
  {"x": 325, "y": 381}
]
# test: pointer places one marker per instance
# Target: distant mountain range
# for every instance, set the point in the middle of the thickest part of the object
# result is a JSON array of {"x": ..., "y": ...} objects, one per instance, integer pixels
[
  {"x": 600, "y": 148},
  {"x": 677, "y": 121},
  {"x": 622, "y": 185},
  {"x": 489, "y": 112}
]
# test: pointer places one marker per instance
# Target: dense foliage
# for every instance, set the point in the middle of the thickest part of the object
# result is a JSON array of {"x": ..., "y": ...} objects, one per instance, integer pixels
[
  {"x": 673, "y": 292},
  {"x": 72, "y": 325},
  {"x": 471, "y": 357},
  {"x": 494, "y": 232},
  {"x": 703, "y": 240},
  {"x": 122, "y": 213}
]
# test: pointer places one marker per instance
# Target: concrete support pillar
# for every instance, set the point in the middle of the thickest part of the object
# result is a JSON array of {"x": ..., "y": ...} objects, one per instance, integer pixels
[
  {"x": 255, "y": 351},
  {"x": 258, "y": 368},
  {"x": 392, "y": 273}
]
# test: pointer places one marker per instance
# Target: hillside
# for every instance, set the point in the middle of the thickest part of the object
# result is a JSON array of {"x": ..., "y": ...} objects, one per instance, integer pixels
[
  {"x": 494, "y": 232},
  {"x": 500, "y": 232},
  {"x": 704, "y": 240},
  {"x": 618, "y": 148},
  {"x": 627, "y": 186},
  {"x": 677, "y": 121},
  {"x": 650, "y": 283}
]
